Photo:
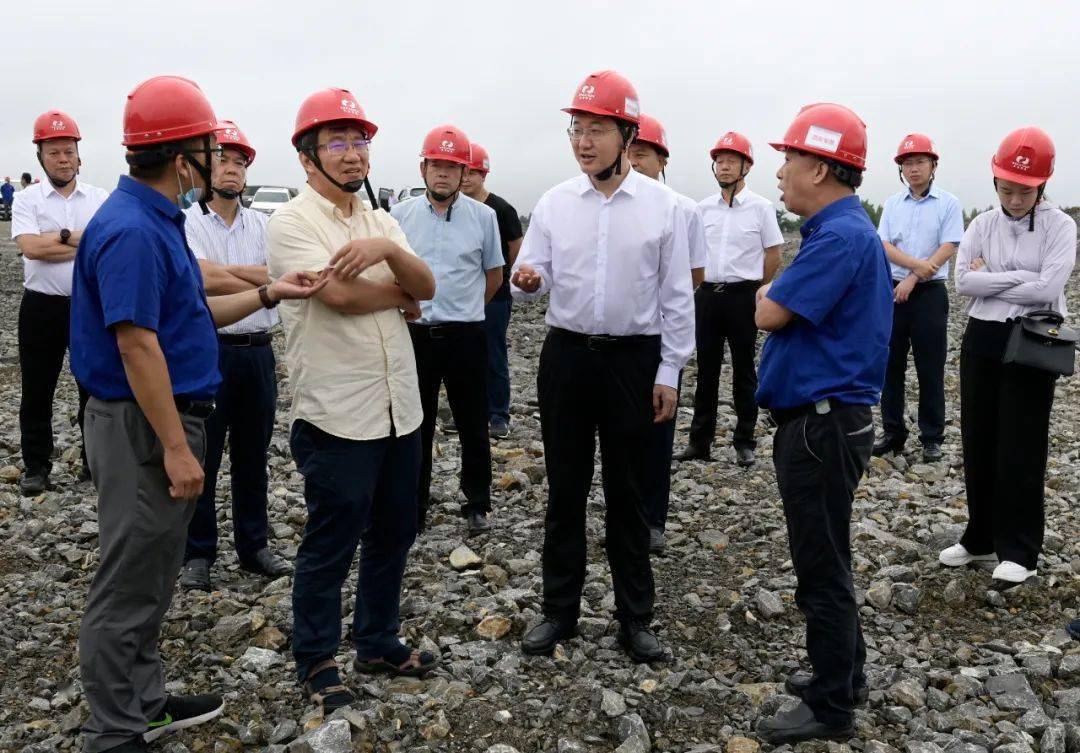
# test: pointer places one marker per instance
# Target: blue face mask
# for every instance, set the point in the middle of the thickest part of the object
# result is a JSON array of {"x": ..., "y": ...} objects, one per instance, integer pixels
[{"x": 188, "y": 198}]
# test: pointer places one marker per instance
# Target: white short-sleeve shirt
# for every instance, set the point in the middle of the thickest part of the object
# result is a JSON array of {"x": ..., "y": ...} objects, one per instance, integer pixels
[{"x": 738, "y": 235}]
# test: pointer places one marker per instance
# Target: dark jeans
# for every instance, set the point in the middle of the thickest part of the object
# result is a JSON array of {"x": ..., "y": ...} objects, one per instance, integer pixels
[
  {"x": 658, "y": 493},
  {"x": 244, "y": 410},
  {"x": 457, "y": 355},
  {"x": 496, "y": 321},
  {"x": 582, "y": 391},
  {"x": 920, "y": 324},
  {"x": 1005, "y": 429},
  {"x": 725, "y": 314},
  {"x": 819, "y": 460},
  {"x": 357, "y": 492},
  {"x": 44, "y": 322}
]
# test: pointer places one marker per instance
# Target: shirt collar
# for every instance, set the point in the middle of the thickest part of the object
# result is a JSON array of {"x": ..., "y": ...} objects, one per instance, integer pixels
[
  {"x": 149, "y": 196},
  {"x": 934, "y": 193},
  {"x": 238, "y": 222},
  {"x": 628, "y": 186},
  {"x": 328, "y": 207},
  {"x": 48, "y": 188},
  {"x": 835, "y": 209},
  {"x": 740, "y": 197}
]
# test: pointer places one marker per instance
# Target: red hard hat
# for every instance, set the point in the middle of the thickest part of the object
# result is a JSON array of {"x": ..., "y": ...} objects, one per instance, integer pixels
[
  {"x": 915, "y": 143},
  {"x": 166, "y": 108},
  {"x": 827, "y": 130},
  {"x": 448, "y": 143},
  {"x": 55, "y": 125},
  {"x": 1026, "y": 156},
  {"x": 733, "y": 142},
  {"x": 608, "y": 94},
  {"x": 651, "y": 132},
  {"x": 231, "y": 137},
  {"x": 331, "y": 105},
  {"x": 480, "y": 162}
]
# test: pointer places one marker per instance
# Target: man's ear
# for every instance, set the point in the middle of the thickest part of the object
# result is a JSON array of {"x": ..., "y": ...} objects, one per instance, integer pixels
[{"x": 821, "y": 173}]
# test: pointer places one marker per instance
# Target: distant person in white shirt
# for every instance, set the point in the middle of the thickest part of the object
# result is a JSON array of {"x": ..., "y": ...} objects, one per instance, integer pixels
[
  {"x": 46, "y": 224},
  {"x": 230, "y": 243},
  {"x": 744, "y": 241},
  {"x": 610, "y": 246}
]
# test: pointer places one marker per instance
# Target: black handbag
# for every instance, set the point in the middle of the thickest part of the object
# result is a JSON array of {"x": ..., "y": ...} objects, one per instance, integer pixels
[{"x": 1042, "y": 341}]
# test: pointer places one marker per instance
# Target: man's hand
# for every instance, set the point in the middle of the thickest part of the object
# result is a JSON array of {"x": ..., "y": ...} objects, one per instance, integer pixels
[
  {"x": 664, "y": 400},
  {"x": 976, "y": 264},
  {"x": 903, "y": 290},
  {"x": 185, "y": 474},
  {"x": 411, "y": 310},
  {"x": 527, "y": 279},
  {"x": 356, "y": 256},
  {"x": 925, "y": 269},
  {"x": 762, "y": 292},
  {"x": 297, "y": 285}
]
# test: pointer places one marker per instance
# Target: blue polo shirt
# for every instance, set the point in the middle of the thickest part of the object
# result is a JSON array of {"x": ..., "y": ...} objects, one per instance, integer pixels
[
  {"x": 459, "y": 248},
  {"x": 134, "y": 265},
  {"x": 7, "y": 193},
  {"x": 840, "y": 290},
  {"x": 919, "y": 226}
]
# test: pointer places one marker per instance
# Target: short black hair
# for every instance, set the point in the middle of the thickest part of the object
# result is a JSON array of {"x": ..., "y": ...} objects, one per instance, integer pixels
[
  {"x": 26, "y": 177},
  {"x": 151, "y": 163}
]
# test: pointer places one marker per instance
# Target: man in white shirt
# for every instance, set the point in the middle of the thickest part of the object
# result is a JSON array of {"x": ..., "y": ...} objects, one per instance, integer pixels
[
  {"x": 649, "y": 156},
  {"x": 744, "y": 243},
  {"x": 611, "y": 248},
  {"x": 47, "y": 222},
  {"x": 230, "y": 243}
]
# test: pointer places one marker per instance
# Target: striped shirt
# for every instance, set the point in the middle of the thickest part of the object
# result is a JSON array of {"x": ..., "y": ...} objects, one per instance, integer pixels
[{"x": 242, "y": 243}]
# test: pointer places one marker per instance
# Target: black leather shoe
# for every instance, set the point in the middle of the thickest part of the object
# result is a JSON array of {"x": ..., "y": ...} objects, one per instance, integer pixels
[
  {"x": 800, "y": 724},
  {"x": 797, "y": 683},
  {"x": 265, "y": 562},
  {"x": 196, "y": 575},
  {"x": 84, "y": 474},
  {"x": 744, "y": 456},
  {"x": 477, "y": 522},
  {"x": 931, "y": 452},
  {"x": 656, "y": 541},
  {"x": 33, "y": 484},
  {"x": 541, "y": 639},
  {"x": 640, "y": 642},
  {"x": 889, "y": 443},
  {"x": 693, "y": 452}
]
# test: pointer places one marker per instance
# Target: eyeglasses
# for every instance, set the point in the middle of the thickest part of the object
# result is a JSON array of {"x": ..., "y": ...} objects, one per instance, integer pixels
[
  {"x": 916, "y": 162},
  {"x": 576, "y": 133},
  {"x": 341, "y": 148}
]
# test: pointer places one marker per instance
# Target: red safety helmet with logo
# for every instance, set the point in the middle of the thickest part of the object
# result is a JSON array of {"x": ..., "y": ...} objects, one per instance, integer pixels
[
  {"x": 1026, "y": 156},
  {"x": 480, "y": 162},
  {"x": 449, "y": 143},
  {"x": 164, "y": 109},
  {"x": 229, "y": 136},
  {"x": 915, "y": 143},
  {"x": 733, "y": 141},
  {"x": 55, "y": 124},
  {"x": 830, "y": 131},
  {"x": 608, "y": 94},
  {"x": 651, "y": 132},
  {"x": 331, "y": 105}
]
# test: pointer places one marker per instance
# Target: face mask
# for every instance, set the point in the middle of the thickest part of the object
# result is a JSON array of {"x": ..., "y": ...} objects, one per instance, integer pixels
[{"x": 188, "y": 198}]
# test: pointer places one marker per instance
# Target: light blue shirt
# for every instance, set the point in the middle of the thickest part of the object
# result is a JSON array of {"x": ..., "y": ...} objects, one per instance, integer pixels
[
  {"x": 459, "y": 247},
  {"x": 919, "y": 227}
]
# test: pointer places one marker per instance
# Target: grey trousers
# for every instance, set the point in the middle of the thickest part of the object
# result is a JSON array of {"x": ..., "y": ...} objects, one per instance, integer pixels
[{"x": 142, "y": 531}]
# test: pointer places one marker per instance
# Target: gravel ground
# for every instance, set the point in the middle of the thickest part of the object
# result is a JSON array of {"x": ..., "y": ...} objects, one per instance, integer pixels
[{"x": 953, "y": 666}]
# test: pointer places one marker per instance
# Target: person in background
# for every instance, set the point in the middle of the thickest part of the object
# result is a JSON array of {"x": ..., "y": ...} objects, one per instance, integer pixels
[
  {"x": 7, "y": 193},
  {"x": 26, "y": 181}
]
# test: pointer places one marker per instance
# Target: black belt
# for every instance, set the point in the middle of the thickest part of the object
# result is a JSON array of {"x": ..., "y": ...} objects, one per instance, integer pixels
[
  {"x": 603, "y": 342},
  {"x": 246, "y": 340},
  {"x": 446, "y": 329},
  {"x": 720, "y": 287},
  {"x": 786, "y": 415},
  {"x": 196, "y": 408}
]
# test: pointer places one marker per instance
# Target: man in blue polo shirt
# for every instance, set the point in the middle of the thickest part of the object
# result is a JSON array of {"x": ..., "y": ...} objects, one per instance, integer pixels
[
  {"x": 144, "y": 346},
  {"x": 458, "y": 237},
  {"x": 822, "y": 368}
]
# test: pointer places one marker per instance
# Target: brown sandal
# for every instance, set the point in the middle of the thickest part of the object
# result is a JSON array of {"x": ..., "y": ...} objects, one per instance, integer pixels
[
  {"x": 332, "y": 697},
  {"x": 417, "y": 664}
]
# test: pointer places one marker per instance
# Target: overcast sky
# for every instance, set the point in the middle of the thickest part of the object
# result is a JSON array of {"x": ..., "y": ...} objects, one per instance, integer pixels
[{"x": 964, "y": 72}]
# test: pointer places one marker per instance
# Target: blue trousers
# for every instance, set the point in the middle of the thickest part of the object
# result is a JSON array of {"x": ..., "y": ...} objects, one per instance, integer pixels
[{"x": 496, "y": 321}]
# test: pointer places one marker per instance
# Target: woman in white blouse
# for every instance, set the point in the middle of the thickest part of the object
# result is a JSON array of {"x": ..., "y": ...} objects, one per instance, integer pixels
[{"x": 1012, "y": 261}]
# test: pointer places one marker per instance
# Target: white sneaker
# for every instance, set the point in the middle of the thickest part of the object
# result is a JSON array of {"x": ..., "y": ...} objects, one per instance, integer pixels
[
  {"x": 957, "y": 556},
  {"x": 1011, "y": 572}
]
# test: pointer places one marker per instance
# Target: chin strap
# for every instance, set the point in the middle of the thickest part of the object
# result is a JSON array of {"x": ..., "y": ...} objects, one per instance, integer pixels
[
  {"x": 724, "y": 186},
  {"x": 56, "y": 183},
  {"x": 628, "y": 133},
  {"x": 440, "y": 198},
  {"x": 924, "y": 194},
  {"x": 350, "y": 187},
  {"x": 1030, "y": 214}
]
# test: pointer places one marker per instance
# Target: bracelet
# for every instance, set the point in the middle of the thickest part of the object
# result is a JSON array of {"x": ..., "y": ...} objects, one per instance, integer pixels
[{"x": 265, "y": 298}]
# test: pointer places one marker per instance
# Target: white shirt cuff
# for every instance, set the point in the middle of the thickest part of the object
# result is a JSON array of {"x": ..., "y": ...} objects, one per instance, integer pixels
[{"x": 668, "y": 376}]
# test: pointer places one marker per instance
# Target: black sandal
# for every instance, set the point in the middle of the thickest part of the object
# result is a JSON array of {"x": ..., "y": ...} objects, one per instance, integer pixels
[
  {"x": 416, "y": 663},
  {"x": 332, "y": 697}
]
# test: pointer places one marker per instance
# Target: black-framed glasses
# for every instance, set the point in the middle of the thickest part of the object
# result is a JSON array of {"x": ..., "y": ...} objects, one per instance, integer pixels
[
  {"x": 339, "y": 148},
  {"x": 576, "y": 133}
]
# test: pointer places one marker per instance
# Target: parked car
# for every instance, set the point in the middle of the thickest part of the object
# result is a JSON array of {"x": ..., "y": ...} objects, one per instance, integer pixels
[
  {"x": 269, "y": 198},
  {"x": 248, "y": 194},
  {"x": 408, "y": 193}
]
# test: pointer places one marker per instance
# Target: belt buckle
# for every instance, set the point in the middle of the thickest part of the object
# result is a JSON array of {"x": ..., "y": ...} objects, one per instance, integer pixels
[
  {"x": 435, "y": 332},
  {"x": 597, "y": 342},
  {"x": 720, "y": 287}
]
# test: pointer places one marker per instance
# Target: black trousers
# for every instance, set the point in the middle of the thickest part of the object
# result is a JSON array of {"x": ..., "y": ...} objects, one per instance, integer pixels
[
  {"x": 658, "y": 492},
  {"x": 583, "y": 390},
  {"x": 919, "y": 325},
  {"x": 819, "y": 461},
  {"x": 44, "y": 322},
  {"x": 1005, "y": 429},
  {"x": 725, "y": 314},
  {"x": 244, "y": 410},
  {"x": 455, "y": 354}
]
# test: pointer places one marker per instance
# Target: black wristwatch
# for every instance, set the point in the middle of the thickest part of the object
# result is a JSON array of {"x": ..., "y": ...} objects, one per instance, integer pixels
[
  {"x": 65, "y": 234},
  {"x": 265, "y": 298}
]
